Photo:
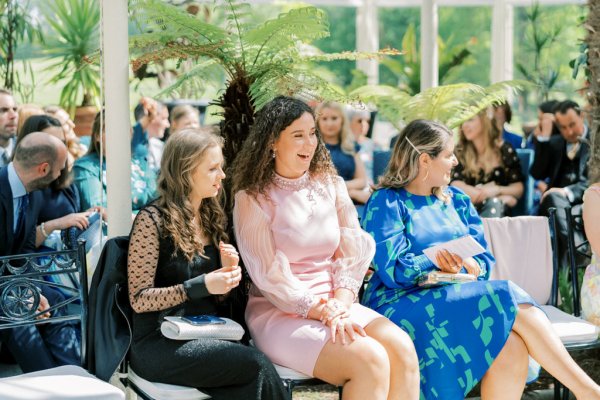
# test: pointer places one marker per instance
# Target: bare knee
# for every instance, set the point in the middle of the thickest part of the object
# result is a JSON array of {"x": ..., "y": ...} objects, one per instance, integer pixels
[
  {"x": 370, "y": 358},
  {"x": 514, "y": 354},
  {"x": 397, "y": 343}
]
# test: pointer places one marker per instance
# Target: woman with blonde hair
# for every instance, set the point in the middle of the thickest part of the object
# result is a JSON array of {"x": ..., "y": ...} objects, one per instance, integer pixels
[
  {"x": 334, "y": 127},
  {"x": 488, "y": 169},
  {"x": 179, "y": 264},
  {"x": 184, "y": 116},
  {"x": 464, "y": 333},
  {"x": 299, "y": 236}
]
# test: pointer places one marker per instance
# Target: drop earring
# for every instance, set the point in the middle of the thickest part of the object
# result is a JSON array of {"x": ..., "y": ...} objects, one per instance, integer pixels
[{"x": 426, "y": 175}]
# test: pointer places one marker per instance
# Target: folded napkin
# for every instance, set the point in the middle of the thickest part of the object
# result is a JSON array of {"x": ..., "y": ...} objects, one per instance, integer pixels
[{"x": 177, "y": 329}]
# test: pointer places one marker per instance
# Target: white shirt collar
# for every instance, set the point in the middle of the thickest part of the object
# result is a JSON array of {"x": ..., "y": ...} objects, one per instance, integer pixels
[{"x": 16, "y": 185}]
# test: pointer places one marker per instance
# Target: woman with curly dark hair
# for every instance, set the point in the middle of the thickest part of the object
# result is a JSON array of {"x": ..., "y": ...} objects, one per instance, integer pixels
[
  {"x": 179, "y": 264},
  {"x": 299, "y": 236}
]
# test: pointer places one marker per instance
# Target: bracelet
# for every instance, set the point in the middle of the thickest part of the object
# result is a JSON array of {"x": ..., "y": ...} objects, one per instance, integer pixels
[{"x": 43, "y": 230}]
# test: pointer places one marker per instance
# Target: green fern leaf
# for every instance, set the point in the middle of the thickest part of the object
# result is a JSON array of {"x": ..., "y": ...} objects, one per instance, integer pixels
[
  {"x": 194, "y": 80},
  {"x": 297, "y": 25}
]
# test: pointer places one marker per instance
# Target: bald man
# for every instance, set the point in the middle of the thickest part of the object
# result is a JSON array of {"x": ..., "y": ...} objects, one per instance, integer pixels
[{"x": 39, "y": 158}]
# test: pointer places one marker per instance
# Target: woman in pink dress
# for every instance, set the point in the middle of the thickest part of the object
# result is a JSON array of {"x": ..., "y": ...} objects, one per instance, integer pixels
[{"x": 300, "y": 240}]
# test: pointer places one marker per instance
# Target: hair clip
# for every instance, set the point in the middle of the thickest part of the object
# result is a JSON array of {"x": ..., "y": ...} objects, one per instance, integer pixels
[{"x": 412, "y": 145}]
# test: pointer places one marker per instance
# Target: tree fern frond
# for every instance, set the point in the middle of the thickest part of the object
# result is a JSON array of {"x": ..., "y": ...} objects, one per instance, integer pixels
[
  {"x": 294, "y": 82},
  {"x": 194, "y": 80},
  {"x": 301, "y": 24},
  {"x": 477, "y": 100},
  {"x": 237, "y": 14},
  {"x": 448, "y": 104},
  {"x": 353, "y": 55},
  {"x": 159, "y": 17},
  {"x": 389, "y": 101},
  {"x": 174, "y": 51}
]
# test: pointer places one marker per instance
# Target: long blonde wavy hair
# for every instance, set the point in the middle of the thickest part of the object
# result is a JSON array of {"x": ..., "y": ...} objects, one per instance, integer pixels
[
  {"x": 427, "y": 137},
  {"x": 467, "y": 153},
  {"x": 183, "y": 152},
  {"x": 254, "y": 166},
  {"x": 345, "y": 135}
]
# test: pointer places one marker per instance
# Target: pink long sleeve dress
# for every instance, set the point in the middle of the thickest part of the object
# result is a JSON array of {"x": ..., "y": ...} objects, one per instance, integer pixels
[{"x": 299, "y": 245}]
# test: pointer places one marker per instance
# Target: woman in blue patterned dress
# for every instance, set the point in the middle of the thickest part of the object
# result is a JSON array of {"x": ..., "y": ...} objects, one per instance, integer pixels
[{"x": 479, "y": 331}]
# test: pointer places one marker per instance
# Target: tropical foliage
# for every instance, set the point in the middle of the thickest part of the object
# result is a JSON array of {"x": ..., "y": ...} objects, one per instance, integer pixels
[
  {"x": 260, "y": 61},
  {"x": 407, "y": 68},
  {"x": 449, "y": 104},
  {"x": 76, "y": 36},
  {"x": 16, "y": 27}
]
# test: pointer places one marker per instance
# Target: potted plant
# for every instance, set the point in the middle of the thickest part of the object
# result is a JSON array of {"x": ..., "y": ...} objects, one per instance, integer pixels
[{"x": 75, "y": 25}]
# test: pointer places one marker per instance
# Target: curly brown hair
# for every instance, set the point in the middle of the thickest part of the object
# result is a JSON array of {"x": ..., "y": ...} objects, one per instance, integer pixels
[
  {"x": 254, "y": 167},
  {"x": 183, "y": 152}
]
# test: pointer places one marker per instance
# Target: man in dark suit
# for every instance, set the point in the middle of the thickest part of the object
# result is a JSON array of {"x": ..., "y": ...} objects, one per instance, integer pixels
[
  {"x": 562, "y": 160},
  {"x": 38, "y": 160}
]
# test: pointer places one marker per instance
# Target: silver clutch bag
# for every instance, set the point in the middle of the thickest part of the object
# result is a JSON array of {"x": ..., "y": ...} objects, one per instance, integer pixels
[
  {"x": 177, "y": 329},
  {"x": 436, "y": 278}
]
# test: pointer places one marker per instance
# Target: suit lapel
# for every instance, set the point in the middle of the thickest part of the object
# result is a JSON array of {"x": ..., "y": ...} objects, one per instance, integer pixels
[{"x": 6, "y": 210}]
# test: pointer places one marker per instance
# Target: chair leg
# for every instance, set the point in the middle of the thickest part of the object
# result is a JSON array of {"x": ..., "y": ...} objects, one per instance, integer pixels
[
  {"x": 289, "y": 385},
  {"x": 557, "y": 386},
  {"x": 565, "y": 394},
  {"x": 340, "y": 390}
]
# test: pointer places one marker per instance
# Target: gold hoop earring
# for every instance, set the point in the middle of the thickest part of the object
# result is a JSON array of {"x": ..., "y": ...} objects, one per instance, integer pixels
[{"x": 426, "y": 175}]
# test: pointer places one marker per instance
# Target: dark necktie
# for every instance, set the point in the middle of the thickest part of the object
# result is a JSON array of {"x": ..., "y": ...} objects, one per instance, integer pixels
[{"x": 20, "y": 231}]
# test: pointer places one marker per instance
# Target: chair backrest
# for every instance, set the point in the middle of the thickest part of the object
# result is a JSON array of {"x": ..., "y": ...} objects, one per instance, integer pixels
[
  {"x": 522, "y": 247},
  {"x": 578, "y": 252},
  {"x": 21, "y": 277},
  {"x": 525, "y": 203},
  {"x": 381, "y": 158}
]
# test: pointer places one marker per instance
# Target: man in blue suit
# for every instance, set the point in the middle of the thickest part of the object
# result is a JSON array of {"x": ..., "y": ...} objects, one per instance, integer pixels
[{"x": 38, "y": 160}]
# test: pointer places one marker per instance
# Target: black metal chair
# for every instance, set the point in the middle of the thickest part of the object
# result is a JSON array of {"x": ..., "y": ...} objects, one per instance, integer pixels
[
  {"x": 21, "y": 277},
  {"x": 579, "y": 256}
]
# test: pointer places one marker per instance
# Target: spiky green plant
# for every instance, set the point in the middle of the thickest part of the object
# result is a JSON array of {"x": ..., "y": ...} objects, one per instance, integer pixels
[
  {"x": 407, "y": 69},
  {"x": 76, "y": 24},
  {"x": 449, "y": 104},
  {"x": 260, "y": 61}
]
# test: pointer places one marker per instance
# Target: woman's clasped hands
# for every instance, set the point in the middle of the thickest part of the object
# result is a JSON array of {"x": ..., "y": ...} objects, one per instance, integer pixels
[
  {"x": 222, "y": 280},
  {"x": 336, "y": 315}
]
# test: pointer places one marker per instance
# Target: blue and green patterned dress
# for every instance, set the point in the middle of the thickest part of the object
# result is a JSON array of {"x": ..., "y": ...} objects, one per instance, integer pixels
[{"x": 458, "y": 330}]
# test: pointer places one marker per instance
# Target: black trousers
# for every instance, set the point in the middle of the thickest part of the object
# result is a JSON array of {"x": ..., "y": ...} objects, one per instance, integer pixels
[
  {"x": 48, "y": 345},
  {"x": 561, "y": 202},
  {"x": 224, "y": 370}
]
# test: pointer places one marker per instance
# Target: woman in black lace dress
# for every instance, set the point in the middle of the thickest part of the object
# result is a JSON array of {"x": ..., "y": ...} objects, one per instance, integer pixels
[
  {"x": 488, "y": 169},
  {"x": 179, "y": 264}
]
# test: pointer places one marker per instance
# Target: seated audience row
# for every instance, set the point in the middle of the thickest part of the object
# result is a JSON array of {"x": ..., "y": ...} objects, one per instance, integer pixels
[{"x": 299, "y": 237}]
